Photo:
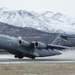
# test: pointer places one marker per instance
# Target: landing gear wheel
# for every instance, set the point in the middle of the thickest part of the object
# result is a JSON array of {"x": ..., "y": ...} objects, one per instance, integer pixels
[
  {"x": 33, "y": 57},
  {"x": 15, "y": 56},
  {"x": 20, "y": 57}
]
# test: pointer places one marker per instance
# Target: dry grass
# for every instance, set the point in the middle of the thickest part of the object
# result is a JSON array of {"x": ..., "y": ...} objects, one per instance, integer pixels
[{"x": 38, "y": 69}]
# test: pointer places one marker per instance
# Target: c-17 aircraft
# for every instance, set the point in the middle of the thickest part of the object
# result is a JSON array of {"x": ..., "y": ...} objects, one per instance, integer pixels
[{"x": 21, "y": 48}]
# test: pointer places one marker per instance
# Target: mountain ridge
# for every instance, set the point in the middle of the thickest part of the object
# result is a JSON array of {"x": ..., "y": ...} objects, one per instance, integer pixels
[
  {"x": 46, "y": 21},
  {"x": 30, "y": 34}
]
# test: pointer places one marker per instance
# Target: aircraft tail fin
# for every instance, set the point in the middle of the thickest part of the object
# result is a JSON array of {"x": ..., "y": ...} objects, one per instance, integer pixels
[{"x": 60, "y": 38}]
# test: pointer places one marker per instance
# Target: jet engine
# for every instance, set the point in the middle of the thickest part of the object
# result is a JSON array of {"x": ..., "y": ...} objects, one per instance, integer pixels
[
  {"x": 40, "y": 45},
  {"x": 26, "y": 44},
  {"x": 23, "y": 43}
]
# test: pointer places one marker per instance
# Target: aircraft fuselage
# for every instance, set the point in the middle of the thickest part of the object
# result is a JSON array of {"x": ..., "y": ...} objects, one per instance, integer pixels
[{"x": 11, "y": 44}]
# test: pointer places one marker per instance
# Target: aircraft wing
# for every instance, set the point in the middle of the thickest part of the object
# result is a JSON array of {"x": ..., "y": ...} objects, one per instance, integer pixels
[
  {"x": 34, "y": 53},
  {"x": 39, "y": 45},
  {"x": 59, "y": 47}
]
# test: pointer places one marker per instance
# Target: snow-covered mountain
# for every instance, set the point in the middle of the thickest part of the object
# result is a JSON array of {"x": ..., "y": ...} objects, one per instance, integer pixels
[{"x": 45, "y": 21}]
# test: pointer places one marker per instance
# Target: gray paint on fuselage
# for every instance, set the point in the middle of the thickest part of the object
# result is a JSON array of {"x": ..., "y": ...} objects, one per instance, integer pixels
[{"x": 11, "y": 44}]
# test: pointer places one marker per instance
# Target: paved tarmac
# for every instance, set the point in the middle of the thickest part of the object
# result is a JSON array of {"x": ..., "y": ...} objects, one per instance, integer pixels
[{"x": 66, "y": 57}]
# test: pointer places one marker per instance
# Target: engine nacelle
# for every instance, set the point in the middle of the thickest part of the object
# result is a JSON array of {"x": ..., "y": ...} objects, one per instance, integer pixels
[
  {"x": 40, "y": 45},
  {"x": 23, "y": 43}
]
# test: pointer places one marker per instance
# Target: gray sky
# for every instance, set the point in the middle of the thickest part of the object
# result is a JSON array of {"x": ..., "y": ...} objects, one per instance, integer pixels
[{"x": 66, "y": 7}]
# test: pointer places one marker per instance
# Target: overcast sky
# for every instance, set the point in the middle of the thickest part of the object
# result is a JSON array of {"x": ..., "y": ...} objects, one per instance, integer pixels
[{"x": 66, "y": 7}]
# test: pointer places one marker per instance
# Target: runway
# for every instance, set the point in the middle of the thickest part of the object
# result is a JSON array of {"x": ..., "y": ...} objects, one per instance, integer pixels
[
  {"x": 66, "y": 57},
  {"x": 54, "y": 65},
  {"x": 9, "y": 59}
]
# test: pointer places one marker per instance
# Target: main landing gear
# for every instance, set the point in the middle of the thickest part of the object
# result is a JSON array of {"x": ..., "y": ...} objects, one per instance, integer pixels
[
  {"x": 19, "y": 56},
  {"x": 33, "y": 57}
]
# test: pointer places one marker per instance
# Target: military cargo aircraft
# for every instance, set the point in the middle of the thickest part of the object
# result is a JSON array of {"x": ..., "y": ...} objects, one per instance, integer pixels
[{"x": 21, "y": 48}]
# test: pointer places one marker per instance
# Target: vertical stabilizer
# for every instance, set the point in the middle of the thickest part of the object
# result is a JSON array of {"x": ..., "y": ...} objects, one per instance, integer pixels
[{"x": 60, "y": 39}]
